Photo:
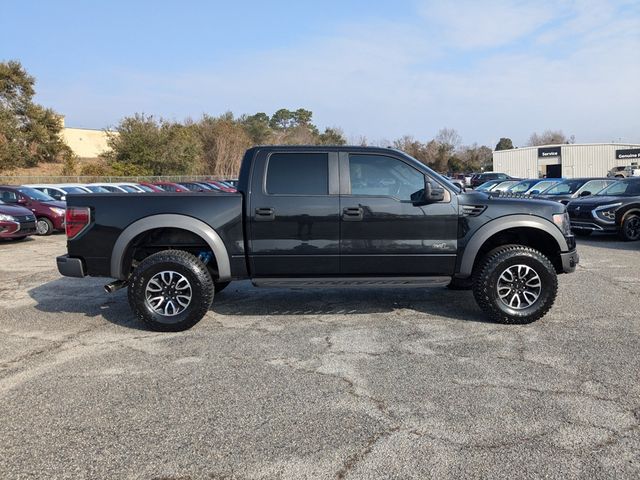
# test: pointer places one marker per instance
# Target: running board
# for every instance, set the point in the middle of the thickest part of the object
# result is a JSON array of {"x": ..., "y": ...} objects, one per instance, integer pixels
[{"x": 366, "y": 282}]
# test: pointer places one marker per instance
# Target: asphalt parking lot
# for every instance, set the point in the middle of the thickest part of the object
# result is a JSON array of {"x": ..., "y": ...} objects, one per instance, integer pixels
[{"x": 319, "y": 384}]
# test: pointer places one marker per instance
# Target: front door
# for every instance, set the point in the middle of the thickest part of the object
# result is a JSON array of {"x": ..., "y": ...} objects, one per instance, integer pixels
[
  {"x": 294, "y": 221},
  {"x": 382, "y": 231}
]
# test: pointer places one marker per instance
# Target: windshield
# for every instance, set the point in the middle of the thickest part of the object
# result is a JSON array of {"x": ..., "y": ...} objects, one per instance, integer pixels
[
  {"x": 523, "y": 186},
  {"x": 622, "y": 189},
  {"x": 145, "y": 188},
  {"x": 34, "y": 194},
  {"x": 129, "y": 188},
  {"x": 74, "y": 190},
  {"x": 540, "y": 187},
  {"x": 96, "y": 189},
  {"x": 566, "y": 187}
]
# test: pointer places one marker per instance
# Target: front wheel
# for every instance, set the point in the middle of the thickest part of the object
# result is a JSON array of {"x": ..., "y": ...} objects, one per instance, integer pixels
[
  {"x": 630, "y": 228},
  {"x": 515, "y": 284},
  {"x": 170, "y": 291},
  {"x": 44, "y": 226}
]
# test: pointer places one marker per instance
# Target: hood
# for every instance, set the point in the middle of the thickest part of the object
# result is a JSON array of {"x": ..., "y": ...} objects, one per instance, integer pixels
[
  {"x": 595, "y": 201},
  {"x": 55, "y": 203},
  {"x": 14, "y": 210}
]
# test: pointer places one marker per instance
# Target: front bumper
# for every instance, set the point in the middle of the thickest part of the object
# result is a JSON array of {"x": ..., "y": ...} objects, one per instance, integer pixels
[
  {"x": 70, "y": 267},
  {"x": 569, "y": 261},
  {"x": 10, "y": 229}
]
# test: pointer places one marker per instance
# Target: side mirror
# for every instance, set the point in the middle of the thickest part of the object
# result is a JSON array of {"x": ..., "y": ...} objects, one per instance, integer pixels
[
  {"x": 586, "y": 193},
  {"x": 431, "y": 193}
]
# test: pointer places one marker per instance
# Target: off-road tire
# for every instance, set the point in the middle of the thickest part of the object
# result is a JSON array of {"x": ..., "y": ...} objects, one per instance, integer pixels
[
  {"x": 629, "y": 231},
  {"x": 582, "y": 233},
  {"x": 491, "y": 267},
  {"x": 221, "y": 286},
  {"x": 46, "y": 226},
  {"x": 184, "y": 264}
]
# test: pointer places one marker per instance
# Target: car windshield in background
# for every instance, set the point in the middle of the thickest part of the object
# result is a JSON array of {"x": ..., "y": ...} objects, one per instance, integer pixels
[
  {"x": 129, "y": 188},
  {"x": 564, "y": 188},
  {"x": 523, "y": 186},
  {"x": 96, "y": 189},
  {"x": 74, "y": 190},
  {"x": 146, "y": 189},
  {"x": 541, "y": 187},
  {"x": 622, "y": 189},
  {"x": 35, "y": 194}
]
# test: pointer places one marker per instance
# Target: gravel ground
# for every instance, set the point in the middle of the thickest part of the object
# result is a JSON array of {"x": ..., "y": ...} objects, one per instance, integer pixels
[{"x": 319, "y": 384}]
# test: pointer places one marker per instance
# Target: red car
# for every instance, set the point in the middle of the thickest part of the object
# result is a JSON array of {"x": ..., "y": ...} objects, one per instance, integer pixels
[
  {"x": 49, "y": 212},
  {"x": 170, "y": 187},
  {"x": 16, "y": 222}
]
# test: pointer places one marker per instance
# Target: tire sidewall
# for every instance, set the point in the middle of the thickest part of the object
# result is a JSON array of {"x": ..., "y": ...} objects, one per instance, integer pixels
[
  {"x": 625, "y": 225},
  {"x": 47, "y": 222},
  {"x": 198, "y": 278},
  {"x": 548, "y": 280}
]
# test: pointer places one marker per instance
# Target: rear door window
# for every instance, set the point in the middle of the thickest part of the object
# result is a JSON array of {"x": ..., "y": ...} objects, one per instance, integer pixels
[{"x": 298, "y": 174}]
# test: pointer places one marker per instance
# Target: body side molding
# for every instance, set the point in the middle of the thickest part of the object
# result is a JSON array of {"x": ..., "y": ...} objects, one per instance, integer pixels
[
  {"x": 184, "y": 222},
  {"x": 504, "y": 223}
]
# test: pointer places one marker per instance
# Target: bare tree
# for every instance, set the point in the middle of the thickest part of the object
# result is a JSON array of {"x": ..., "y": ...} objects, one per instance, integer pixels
[{"x": 550, "y": 137}]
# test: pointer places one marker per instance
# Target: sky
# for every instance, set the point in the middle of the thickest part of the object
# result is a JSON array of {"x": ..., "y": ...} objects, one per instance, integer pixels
[{"x": 377, "y": 69}]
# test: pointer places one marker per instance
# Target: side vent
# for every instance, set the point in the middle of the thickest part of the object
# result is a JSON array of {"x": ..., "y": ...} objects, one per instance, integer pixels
[{"x": 472, "y": 210}]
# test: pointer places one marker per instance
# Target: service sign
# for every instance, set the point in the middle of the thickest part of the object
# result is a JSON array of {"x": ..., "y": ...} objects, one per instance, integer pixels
[
  {"x": 628, "y": 153},
  {"x": 549, "y": 152}
]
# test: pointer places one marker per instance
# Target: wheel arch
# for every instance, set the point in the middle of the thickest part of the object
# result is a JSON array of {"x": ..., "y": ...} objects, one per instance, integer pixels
[
  {"x": 174, "y": 221},
  {"x": 542, "y": 231},
  {"x": 626, "y": 211}
]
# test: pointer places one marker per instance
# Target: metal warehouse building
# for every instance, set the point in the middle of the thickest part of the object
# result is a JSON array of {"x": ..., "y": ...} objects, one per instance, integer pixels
[{"x": 568, "y": 161}]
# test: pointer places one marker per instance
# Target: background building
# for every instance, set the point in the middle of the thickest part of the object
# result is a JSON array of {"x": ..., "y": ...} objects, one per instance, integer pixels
[{"x": 568, "y": 161}]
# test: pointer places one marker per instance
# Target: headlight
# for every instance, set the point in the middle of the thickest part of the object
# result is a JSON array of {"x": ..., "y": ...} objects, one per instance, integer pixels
[
  {"x": 562, "y": 222},
  {"x": 57, "y": 211},
  {"x": 607, "y": 213},
  {"x": 6, "y": 218}
]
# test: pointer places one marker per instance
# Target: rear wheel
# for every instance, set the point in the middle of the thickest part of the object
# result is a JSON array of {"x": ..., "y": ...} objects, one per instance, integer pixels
[
  {"x": 44, "y": 226},
  {"x": 170, "y": 291},
  {"x": 630, "y": 228},
  {"x": 515, "y": 284}
]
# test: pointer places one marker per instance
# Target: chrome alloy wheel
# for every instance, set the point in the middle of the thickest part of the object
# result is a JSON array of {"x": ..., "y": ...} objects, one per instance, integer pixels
[
  {"x": 168, "y": 293},
  {"x": 519, "y": 287},
  {"x": 42, "y": 227}
]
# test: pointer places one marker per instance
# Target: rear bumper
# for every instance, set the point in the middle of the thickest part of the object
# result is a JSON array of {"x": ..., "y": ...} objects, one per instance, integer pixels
[
  {"x": 569, "y": 261},
  {"x": 70, "y": 267}
]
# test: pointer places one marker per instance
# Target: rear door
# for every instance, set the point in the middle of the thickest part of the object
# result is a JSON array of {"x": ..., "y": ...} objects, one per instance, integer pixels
[
  {"x": 294, "y": 225},
  {"x": 382, "y": 231}
]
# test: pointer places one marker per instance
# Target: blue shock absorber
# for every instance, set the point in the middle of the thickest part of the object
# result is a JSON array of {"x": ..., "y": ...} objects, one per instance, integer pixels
[{"x": 205, "y": 256}]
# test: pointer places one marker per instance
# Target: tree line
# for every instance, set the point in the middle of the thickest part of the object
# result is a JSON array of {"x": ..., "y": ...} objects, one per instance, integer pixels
[{"x": 142, "y": 144}]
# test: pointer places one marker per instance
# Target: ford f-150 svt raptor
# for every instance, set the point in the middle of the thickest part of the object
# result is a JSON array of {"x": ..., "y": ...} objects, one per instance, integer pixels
[{"x": 321, "y": 217}]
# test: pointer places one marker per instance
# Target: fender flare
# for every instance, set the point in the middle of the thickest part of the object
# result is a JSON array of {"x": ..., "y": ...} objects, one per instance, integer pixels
[
  {"x": 505, "y": 223},
  {"x": 631, "y": 209},
  {"x": 184, "y": 222}
]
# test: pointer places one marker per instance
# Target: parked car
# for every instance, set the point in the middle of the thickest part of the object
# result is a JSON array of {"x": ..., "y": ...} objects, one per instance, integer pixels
[
  {"x": 232, "y": 182},
  {"x": 150, "y": 187},
  {"x": 131, "y": 187},
  {"x": 113, "y": 188},
  {"x": 222, "y": 186},
  {"x": 504, "y": 186},
  {"x": 96, "y": 189},
  {"x": 60, "y": 192},
  {"x": 612, "y": 210},
  {"x": 16, "y": 222},
  {"x": 568, "y": 190},
  {"x": 488, "y": 186},
  {"x": 197, "y": 187},
  {"x": 533, "y": 185},
  {"x": 48, "y": 211},
  {"x": 321, "y": 217},
  {"x": 481, "y": 178},
  {"x": 624, "y": 171},
  {"x": 171, "y": 187}
]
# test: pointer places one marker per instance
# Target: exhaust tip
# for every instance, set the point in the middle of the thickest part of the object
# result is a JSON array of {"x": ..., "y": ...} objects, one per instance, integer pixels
[{"x": 114, "y": 286}]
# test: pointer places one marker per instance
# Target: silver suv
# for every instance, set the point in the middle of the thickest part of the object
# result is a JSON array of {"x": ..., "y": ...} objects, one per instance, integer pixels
[{"x": 624, "y": 172}]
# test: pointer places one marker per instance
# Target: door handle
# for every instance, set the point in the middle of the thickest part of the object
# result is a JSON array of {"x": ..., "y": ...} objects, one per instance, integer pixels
[
  {"x": 352, "y": 214},
  {"x": 265, "y": 214}
]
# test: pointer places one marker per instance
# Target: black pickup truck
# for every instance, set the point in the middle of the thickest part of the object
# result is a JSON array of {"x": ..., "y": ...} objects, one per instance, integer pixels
[{"x": 321, "y": 217}]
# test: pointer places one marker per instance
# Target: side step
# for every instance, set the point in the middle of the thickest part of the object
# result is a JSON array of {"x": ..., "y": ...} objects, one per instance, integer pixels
[{"x": 365, "y": 282}]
